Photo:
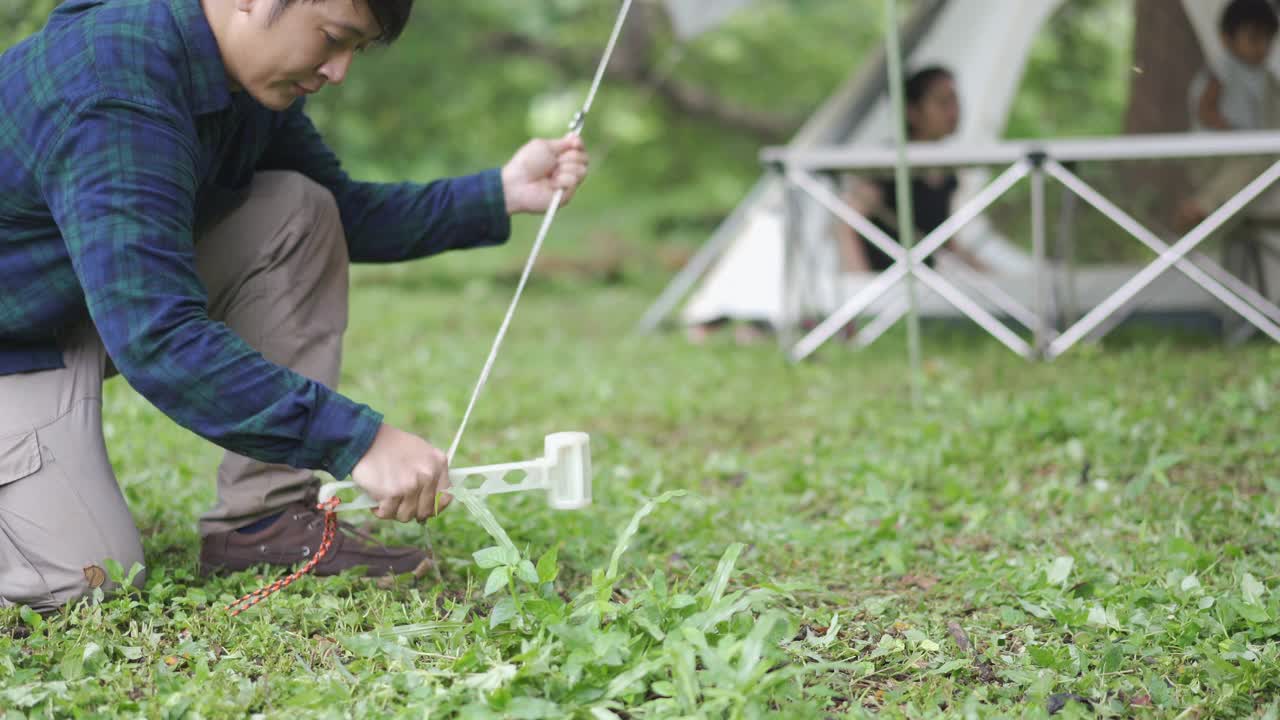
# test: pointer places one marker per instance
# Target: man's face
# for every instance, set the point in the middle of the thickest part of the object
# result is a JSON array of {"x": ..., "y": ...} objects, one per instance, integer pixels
[{"x": 305, "y": 47}]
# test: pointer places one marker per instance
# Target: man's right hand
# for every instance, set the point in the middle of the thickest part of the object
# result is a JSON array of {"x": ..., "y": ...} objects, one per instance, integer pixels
[{"x": 404, "y": 474}]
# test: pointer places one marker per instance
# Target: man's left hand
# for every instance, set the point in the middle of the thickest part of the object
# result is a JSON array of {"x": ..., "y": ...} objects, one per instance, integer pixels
[{"x": 539, "y": 169}]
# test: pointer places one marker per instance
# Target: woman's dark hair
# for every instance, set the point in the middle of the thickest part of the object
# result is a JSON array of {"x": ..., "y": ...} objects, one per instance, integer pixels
[
  {"x": 922, "y": 80},
  {"x": 391, "y": 15},
  {"x": 1241, "y": 14},
  {"x": 920, "y": 83}
]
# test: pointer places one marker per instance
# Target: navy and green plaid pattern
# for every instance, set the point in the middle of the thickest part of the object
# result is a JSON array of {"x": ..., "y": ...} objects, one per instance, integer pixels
[{"x": 117, "y": 134}]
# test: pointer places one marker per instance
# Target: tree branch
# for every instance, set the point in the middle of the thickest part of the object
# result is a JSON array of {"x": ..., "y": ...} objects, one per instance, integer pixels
[{"x": 633, "y": 65}]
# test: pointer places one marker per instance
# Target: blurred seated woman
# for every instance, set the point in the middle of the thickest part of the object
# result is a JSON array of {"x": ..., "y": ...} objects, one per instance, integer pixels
[{"x": 933, "y": 113}]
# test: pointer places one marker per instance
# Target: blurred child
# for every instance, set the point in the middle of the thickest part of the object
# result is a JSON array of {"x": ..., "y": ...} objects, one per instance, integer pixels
[
  {"x": 1239, "y": 94},
  {"x": 1235, "y": 97}
]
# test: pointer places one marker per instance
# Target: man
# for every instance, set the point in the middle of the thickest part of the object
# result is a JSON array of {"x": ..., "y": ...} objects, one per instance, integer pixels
[{"x": 168, "y": 211}]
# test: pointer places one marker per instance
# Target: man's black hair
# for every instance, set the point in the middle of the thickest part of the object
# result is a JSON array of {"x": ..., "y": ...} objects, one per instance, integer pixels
[{"x": 391, "y": 15}]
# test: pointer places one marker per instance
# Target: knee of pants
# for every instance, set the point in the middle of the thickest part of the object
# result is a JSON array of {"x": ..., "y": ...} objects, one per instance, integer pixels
[
  {"x": 52, "y": 587},
  {"x": 319, "y": 207}
]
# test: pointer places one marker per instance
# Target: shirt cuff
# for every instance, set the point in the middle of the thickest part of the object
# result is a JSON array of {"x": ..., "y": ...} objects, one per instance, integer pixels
[
  {"x": 341, "y": 432},
  {"x": 498, "y": 229}
]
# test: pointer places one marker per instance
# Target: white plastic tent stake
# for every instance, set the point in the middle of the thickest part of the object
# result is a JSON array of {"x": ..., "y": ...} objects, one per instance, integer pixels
[{"x": 564, "y": 472}]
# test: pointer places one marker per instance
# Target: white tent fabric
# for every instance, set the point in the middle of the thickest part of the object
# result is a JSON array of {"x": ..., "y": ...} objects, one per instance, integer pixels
[{"x": 746, "y": 281}]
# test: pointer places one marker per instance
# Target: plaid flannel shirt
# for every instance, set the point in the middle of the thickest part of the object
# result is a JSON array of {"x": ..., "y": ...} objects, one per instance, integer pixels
[{"x": 117, "y": 130}]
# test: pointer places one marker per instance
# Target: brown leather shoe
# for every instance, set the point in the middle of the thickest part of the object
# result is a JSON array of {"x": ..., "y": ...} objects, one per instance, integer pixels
[{"x": 291, "y": 540}]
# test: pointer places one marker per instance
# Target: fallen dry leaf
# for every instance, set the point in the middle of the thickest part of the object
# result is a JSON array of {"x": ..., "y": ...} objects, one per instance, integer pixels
[
  {"x": 95, "y": 576},
  {"x": 924, "y": 582},
  {"x": 959, "y": 635}
]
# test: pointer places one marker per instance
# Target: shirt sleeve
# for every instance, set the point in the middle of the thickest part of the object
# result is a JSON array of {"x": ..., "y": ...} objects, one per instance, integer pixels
[
  {"x": 391, "y": 222},
  {"x": 121, "y": 183}
]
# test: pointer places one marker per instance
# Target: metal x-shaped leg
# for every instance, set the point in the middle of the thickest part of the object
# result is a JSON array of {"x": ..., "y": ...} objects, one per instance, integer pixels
[
  {"x": 1211, "y": 277},
  {"x": 913, "y": 262}
]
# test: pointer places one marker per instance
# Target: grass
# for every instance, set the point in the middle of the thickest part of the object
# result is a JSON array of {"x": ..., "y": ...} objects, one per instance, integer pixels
[{"x": 1095, "y": 537}]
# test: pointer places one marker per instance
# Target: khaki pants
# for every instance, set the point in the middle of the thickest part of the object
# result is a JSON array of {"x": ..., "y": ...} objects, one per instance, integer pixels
[
  {"x": 1230, "y": 178},
  {"x": 276, "y": 272}
]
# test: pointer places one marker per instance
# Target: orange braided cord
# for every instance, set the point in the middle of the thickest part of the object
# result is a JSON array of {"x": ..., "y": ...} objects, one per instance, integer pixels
[{"x": 330, "y": 531}]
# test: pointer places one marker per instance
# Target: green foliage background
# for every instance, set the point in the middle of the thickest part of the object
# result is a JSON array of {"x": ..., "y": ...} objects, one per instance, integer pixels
[
  {"x": 442, "y": 101},
  {"x": 1098, "y": 529}
]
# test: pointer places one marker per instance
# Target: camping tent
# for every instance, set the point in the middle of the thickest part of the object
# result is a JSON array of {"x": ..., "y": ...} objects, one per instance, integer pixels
[{"x": 740, "y": 268}]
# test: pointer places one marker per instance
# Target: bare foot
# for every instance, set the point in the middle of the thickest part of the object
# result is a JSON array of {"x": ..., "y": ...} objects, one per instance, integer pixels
[
  {"x": 697, "y": 334},
  {"x": 748, "y": 333}
]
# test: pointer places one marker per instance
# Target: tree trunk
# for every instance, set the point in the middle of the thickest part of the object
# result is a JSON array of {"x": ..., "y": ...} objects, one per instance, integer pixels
[{"x": 1166, "y": 57}]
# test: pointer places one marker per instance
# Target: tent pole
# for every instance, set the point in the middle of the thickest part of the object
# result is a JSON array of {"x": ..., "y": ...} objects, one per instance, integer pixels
[{"x": 906, "y": 215}]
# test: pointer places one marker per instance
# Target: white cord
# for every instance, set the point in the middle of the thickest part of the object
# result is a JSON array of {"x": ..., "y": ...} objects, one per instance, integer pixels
[{"x": 575, "y": 128}]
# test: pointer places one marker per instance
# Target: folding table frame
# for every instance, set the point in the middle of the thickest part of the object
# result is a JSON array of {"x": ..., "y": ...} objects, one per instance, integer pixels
[{"x": 1038, "y": 160}]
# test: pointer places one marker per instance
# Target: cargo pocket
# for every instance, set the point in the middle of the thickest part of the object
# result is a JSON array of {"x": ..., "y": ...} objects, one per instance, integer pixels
[{"x": 19, "y": 456}]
